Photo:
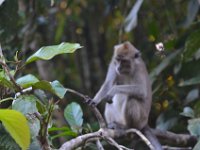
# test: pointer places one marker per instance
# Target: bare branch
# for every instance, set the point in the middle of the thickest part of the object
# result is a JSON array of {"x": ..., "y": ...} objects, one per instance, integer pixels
[
  {"x": 142, "y": 137},
  {"x": 98, "y": 115},
  {"x": 175, "y": 139},
  {"x": 99, "y": 145},
  {"x": 103, "y": 133},
  {"x": 176, "y": 148}
]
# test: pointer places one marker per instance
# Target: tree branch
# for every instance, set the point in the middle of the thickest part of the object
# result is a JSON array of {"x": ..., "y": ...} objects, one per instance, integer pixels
[
  {"x": 175, "y": 139},
  {"x": 98, "y": 115}
]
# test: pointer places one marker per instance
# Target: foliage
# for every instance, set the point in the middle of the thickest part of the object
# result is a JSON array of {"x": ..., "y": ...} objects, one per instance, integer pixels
[
  {"x": 48, "y": 52},
  {"x": 15, "y": 123},
  {"x": 38, "y": 112},
  {"x": 29, "y": 25},
  {"x": 73, "y": 114}
]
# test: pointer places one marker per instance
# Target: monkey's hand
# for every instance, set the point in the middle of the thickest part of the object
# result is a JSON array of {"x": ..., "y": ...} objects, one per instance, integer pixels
[
  {"x": 90, "y": 101},
  {"x": 108, "y": 99}
]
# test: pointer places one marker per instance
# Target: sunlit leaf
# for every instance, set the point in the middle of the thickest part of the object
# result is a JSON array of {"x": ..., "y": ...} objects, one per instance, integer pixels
[
  {"x": 48, "y": 52},
  {"x": 17, "y": 125},
  {"x": 74, "y": 116},
  {"x": 27, "y": 80}
]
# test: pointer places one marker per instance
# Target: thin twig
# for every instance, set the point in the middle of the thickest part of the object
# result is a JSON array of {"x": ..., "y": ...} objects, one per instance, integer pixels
[
  {"x": 7, "y": 70},
  {"x": 141, "y": 136},
  {"x": 98, "y": 115}
]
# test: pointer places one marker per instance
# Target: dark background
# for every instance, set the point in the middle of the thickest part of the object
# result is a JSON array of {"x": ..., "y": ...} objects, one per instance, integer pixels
[{"x": 25, "y": 26}]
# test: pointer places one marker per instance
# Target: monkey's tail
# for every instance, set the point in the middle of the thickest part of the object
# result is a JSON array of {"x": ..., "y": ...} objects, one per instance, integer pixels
[{"x": 152, "y": 138}]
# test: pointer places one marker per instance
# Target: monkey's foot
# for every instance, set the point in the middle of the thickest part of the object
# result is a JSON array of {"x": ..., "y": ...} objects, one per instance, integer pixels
[{"x": 115, "y": 125}]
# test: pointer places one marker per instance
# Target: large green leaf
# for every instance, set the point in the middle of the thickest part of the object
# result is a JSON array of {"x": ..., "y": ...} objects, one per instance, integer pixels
[
  {"x": 54, "y": 87},
  {"x": 48, "y": 52},
  {"x": 17, "y": 125},
  {"x": 27, "y": 80},
  {"x": 26, "y": 104},
  {"x": 192, "y": 45},
  {"x": 192, "y": 81},
  {"x": 194, "y": 126},
  {"x": 74, "y": 116}
]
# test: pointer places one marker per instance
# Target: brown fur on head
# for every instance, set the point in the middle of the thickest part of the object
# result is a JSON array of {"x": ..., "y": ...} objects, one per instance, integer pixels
[{"x": 125, "y": 49}]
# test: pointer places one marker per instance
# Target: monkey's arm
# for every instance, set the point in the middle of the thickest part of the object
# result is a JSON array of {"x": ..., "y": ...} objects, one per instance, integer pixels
[
  {"x": 107, "y": 85},
  {"x": 136, "y": 91}
]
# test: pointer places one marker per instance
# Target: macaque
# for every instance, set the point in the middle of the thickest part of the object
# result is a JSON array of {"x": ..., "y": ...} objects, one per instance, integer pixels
[{"x": 128, "y": 85}]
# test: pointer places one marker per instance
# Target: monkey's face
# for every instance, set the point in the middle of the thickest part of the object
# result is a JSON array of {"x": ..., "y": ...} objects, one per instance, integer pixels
[
  {"x": 125, "y": 65},
  {"x": 126, "y": 56}
]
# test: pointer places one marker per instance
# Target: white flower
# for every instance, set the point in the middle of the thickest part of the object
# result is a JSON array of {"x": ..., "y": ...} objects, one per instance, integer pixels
[{"x": 159, "y": 46}]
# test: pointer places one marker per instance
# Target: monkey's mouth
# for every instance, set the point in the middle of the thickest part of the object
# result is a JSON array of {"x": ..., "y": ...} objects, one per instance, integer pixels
[{"x": 122, "y": 70}]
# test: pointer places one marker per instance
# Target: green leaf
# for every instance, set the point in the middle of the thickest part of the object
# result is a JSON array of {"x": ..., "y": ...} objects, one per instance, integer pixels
[
  {"x": 194, "y": 126},
  {"x": 27, "y": 80},
  {"x": 191, "y": 96},
  {"x": 188, "y": 112},
  {"x": 192, "y": 11},
  {"x": 4, "y": 80},
  {"x": 192, "y": 81},
  {"x": 66, "y": 132},
  {"x": 54, "y": 87},
  {"x": 17, "y": 125},
  {"x": 26, "y": 104},
  {"x": 48, "y": 52},
  {"x": 192, "y": 45},
  {"x": 74, "y": 116}
]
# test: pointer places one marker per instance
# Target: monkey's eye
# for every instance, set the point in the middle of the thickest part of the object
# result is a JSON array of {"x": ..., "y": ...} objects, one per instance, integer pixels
[{"x": 137, "y": 55}]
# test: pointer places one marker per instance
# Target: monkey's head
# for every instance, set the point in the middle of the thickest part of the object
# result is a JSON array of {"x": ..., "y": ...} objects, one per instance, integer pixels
[{"x": 125, "y": 58}]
